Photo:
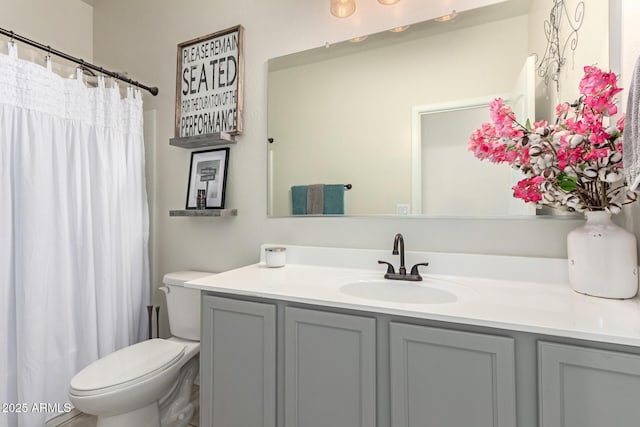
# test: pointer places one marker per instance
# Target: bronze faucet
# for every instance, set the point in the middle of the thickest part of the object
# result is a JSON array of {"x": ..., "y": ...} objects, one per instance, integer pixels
[{"x": 414, "y": 276}]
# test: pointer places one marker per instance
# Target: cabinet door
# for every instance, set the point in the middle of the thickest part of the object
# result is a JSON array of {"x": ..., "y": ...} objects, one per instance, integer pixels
[
  {"x": 447, "y": 378},
  {"x": 329, "y": 369},
  {"x": 237, "y": 363},
  {"x": 582, "y": 387}
]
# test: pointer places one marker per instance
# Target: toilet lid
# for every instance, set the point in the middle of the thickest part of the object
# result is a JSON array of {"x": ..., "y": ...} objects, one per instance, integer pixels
[{"x": 128, "y": 365}]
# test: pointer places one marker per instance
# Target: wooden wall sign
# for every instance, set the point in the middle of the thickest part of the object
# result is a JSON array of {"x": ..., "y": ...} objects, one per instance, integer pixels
[{"x": 209, "y": 84}]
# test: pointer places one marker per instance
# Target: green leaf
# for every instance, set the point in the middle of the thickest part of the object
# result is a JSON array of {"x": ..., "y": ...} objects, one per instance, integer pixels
[
  {"x": 528, "y": 125},
  {"x": 567, "y": 183}
]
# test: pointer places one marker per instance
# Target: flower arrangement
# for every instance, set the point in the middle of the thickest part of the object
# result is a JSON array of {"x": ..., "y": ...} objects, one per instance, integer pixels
[{"x": 574, "y": 164}]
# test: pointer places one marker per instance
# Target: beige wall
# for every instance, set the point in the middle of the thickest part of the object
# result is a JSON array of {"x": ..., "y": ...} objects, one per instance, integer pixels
[
  {"x": 65, "y": 25},
  {"x": 141, "y": 37},
  {"x": 145, "y": 44}
]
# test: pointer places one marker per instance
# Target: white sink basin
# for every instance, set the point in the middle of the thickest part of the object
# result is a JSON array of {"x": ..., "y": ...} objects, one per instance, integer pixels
[{"x": 429, "y": 291}]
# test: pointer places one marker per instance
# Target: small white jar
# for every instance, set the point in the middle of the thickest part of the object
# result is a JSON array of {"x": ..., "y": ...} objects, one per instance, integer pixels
[{"x": 275, "y": 256}]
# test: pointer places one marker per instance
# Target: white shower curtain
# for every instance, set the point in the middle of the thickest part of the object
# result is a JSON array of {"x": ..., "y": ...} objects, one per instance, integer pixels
[{"x": 74, "y": 274}]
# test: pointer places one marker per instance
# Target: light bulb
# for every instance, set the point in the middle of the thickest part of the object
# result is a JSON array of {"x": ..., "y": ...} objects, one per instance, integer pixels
[
  {"x": 399, "y": 29},
  {"x": 447, "y": 18},
  {"x": 358, "y": 39},
  {"x": 343, "y": 8}
]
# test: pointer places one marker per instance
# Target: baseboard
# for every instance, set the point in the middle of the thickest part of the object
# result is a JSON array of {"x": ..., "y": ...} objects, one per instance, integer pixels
[{"x": 62, "y": 418}]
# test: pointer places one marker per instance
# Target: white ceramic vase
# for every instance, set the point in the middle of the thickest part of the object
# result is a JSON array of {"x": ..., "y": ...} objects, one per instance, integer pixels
[{"x": 602, "y": 258}]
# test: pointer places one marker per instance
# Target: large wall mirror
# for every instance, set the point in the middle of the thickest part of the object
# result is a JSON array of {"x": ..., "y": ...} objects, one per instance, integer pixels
[{"x": 391, "y": 114}]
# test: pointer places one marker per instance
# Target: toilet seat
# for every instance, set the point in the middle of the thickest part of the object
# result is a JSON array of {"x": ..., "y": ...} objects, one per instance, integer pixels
[{"x": 127, "y": 366}]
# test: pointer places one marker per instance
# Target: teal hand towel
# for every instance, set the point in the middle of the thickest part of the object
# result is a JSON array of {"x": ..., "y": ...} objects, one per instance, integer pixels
[
  {"x": 299, "y": 200},
  {"x": 334, "y": 199}
]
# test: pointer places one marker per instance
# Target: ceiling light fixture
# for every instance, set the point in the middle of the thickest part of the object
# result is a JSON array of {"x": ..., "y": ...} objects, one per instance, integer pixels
[
  {"x": 343, "y": 8},
  {"x": 447, "y": 18},
  {"x": 346, "y": 8},
  {"x": 399, "y": 29},
  {"x": 358, "y": 39}
]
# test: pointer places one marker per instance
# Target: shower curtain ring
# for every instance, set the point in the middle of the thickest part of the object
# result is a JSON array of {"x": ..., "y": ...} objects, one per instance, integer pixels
[{"x": 101, "y": 78}]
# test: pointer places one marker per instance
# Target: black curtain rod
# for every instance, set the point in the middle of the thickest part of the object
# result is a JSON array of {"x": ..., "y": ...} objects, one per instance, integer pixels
[{"x": 81, "y": 62}]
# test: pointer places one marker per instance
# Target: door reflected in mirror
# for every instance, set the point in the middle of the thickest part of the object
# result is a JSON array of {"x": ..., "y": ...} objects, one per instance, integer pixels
[
  {"x": 444, "y": 189},
  {"x": 346, "y": 114}
]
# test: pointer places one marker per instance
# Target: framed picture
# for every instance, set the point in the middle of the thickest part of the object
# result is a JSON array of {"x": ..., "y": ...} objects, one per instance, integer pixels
[
  {"x": 209, "y": 84},
  {"x": 207, "y": 179}
]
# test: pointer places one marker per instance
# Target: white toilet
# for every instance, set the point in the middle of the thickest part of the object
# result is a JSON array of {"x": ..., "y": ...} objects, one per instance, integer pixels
[{"x": 148, "y": 384}]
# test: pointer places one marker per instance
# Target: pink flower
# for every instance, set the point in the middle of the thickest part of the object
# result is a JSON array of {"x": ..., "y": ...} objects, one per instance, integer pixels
[
  {"x": 504, "y": 119},
  {"x": 568, "y": 156},
  {"x": 524, "y": 156},
  {"x": 540, "y": 124},
  {"x": 596, "y": 153},
  {"x": 481, "y": 143},
  {"x": 502, "y": 153},
  {"x": 596, "y": 81},
  {"x": 560, "y": 156},
  {"x": 528, "y": 189},
  {"x": 601, "y": 104},
  {"x": 562, "y": 109},
  {"x": 598, "y": 89},
  {"x": 498, "y": 111},
  {"x": 620, "y": 122},
  {"x": 576, "y": 126}
]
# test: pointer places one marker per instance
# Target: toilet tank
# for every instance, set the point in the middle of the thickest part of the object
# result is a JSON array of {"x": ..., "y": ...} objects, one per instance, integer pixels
[{"x": 183, "y": 304}]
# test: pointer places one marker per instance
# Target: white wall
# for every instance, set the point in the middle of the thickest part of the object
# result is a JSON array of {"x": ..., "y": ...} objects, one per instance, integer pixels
[
  {"x": 363, "y": 137},
  {"x": 65, "y": 25},
  {"x": 592, "y": 48},
  {"x": 141, "y": 37},
  {"x": 630, "y": 40},
  {"x": 630, "y": 50}
]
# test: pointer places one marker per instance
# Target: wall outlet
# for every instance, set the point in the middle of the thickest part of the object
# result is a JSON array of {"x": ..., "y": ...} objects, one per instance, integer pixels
[{"x": 402, "y": 209}]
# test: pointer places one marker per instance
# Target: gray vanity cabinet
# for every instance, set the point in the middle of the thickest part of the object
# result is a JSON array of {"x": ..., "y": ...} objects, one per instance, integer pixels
[
  {"x": 238, "y": 363},
  {"x": 584, "y": 387},
  {"x": 442, "y": 377},
  {"x": 280, "y": 364},
  {"x": 330, "y": 369}
]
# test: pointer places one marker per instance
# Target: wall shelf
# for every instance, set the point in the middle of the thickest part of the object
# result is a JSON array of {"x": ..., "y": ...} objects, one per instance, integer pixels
[
  {"x": 204, "y": 212},
  {"x": 201, "y": 141}
]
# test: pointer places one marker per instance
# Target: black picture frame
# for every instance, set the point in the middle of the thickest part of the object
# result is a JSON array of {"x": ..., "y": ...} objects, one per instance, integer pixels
[{"x": 208, "y": 171}]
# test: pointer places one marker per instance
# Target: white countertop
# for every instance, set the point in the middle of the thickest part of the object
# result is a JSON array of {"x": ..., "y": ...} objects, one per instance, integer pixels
[{"x": 547, "y": 306}]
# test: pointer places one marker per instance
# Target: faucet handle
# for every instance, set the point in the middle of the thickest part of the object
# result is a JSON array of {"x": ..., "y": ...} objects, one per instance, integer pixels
[
  {"x": 390, "y": 269},
  {"x": 414, "y": 269}
]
